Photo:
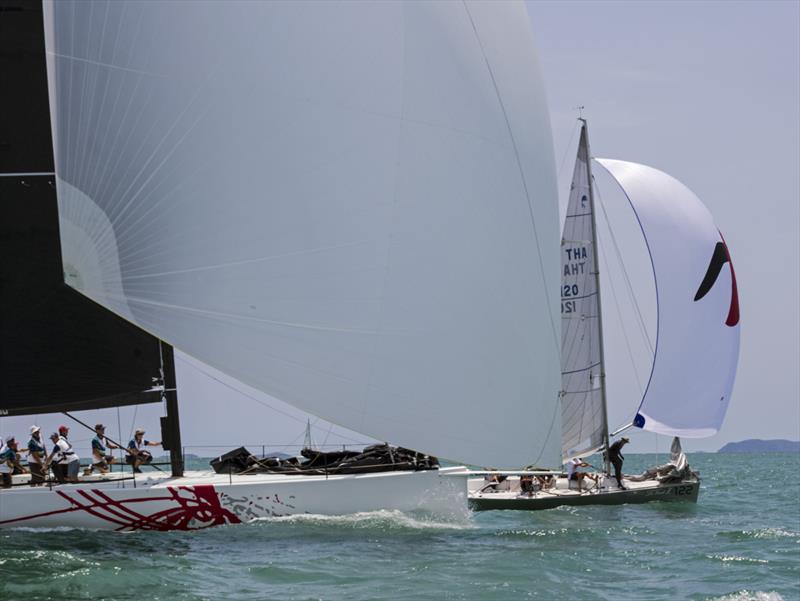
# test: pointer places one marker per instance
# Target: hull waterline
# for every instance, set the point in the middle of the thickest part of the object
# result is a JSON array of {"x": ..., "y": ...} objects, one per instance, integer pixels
[{"x": 204, "y": 499}]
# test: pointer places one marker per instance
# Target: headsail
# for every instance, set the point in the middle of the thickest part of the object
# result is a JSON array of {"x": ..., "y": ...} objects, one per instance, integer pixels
[
  {"x": 584, "y": 425},
  {"x": 350, "y": 206},
  {"x": 697, "y": 345}
]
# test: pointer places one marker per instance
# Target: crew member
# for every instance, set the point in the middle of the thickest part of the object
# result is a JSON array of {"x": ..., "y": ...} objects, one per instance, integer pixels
[
  {"x": 9, "y": 462},
  {"x": 574, "y": 474},
  {"x": 137, "y": 453},
  {"x": 616, "y": 458},
  {"x": 101, "y": 458},
  {"x": 36, "y": 455},
  {"x": 63, "y": 458}
]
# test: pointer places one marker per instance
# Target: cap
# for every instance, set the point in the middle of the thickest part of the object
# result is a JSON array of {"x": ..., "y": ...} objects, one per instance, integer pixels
[
  {"x": 35, "y": 429},
  {"x": 10, "y": 439},
  {"x": 99, "y": 427},
  {"x": 54, "y": 435},
  {"x": 625, "y": 439},
  {"x": 139, "y": 430},
  {"x": 63, "y": 428}
]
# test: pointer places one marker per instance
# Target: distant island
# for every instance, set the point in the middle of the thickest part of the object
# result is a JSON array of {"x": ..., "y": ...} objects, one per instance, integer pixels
[{"x": 756, "y": 445}]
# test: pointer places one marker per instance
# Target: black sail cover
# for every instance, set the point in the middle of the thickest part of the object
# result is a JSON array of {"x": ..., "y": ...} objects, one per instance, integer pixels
[{"x": 60, "y": 351}]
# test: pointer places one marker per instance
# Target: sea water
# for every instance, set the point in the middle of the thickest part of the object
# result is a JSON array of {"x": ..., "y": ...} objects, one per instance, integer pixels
[{"x": 740, "y": 542}]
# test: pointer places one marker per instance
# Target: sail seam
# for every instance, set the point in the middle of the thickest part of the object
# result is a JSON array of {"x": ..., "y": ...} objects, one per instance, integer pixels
[{"x": 521, "y": 172}]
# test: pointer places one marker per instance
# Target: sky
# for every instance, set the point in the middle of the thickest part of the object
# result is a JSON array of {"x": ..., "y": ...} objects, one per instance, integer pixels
[{"x": 708, "y": 92}]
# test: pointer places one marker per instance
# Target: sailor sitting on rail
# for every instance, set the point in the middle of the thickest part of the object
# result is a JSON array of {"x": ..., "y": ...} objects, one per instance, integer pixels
[
  {"x": 493, "y": 481},
  {"x": 101, "y": 458},
  {"x": 137, "y": 455}
]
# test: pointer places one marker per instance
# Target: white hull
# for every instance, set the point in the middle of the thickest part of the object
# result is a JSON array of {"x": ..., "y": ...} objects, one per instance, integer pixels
[
  {"x": 507, "y": 495},
  {"x": 204, "y": 499}
]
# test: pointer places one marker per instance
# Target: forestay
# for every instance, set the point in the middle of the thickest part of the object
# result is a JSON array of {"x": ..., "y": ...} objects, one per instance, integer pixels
[
  {"x": 583, "y": 421},
  {"x": 697, "y": 344},
  {"x": 350, "y": 206}
]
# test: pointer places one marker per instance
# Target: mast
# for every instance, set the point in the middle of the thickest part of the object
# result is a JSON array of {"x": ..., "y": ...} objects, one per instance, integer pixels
[
  {"x": 596, "y": 270},
  {"x": 170, "y": 424}
]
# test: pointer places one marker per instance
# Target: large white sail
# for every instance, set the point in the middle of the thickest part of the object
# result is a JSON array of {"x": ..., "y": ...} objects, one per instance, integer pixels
[
  {"x": 697, "y": 345},
  {"x": 583, "y": 422},
  {"x": 350, "y": 206}
]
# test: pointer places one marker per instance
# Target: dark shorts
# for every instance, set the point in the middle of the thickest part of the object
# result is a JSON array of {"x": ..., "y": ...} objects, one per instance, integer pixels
[
  {"x": 143, "y": 457},
  {"x": 5, "y": 480},
  {"x": 71, "y": 469},
  {"x": 574, "y": 476},
  {"x": 37, "y": 473}
]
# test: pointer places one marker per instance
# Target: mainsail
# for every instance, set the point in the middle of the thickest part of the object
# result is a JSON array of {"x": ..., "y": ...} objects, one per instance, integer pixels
[
  {"x": 59, "y": 351},
  {"x": 697, "y": 345},
  {"x": 350, "y": 206},
  {"x": 583, "y": 404}
]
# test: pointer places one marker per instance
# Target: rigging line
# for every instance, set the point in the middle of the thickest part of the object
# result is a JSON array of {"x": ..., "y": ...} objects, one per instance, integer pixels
[
  {"x": 253, "y": 398},
  {"x": 575, "y": 128},
  {"x": 87, "y": 165},
  {"x": 70, "y": 152},
  {"x": 622, "y": 323},
  {"x": 92, "y": 177},
  {"x": 89, "y": 61},
  {"x": 267, "y": 258},
  {"x": 286, "y": 324},
  {"x": 556, "y": 412},
  {"x": 89, "y": 86},
  {"x": 629, "y": 286},
  {"x": 133, "y": 421},
  {"x": 553, "y": 325},
  {"x": 167, "y": 139},
  {"x": 100, "y": 177},
  {"x": 242, "y": 392}
]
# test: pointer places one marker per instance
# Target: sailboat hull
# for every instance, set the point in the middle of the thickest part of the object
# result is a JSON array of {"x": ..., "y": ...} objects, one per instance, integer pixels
[
  {"x": 636, "y": 492},
  {"x": 204, "y": 499}
]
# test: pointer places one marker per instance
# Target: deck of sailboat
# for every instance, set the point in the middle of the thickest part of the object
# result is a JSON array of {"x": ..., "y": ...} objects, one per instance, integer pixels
[
  {"x": 510, "y": 497},
  {"x": 153, "y": 479}
]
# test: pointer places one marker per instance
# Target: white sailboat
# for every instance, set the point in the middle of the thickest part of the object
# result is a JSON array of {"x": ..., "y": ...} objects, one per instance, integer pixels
[
  {"x": 697, "y": 343},
  {"x": 335, "y": 203}
]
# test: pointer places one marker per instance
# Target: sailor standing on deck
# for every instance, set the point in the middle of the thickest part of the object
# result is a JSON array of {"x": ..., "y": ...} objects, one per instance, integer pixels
[
  {"x": 9, "y": 462},
  {"x": 67, "y": 462},
  {"x": 36, "y": 456},
  {"x": 616, "y": 458}
]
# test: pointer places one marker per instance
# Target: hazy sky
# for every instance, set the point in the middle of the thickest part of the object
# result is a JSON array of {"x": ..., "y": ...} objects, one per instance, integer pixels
[{"x": 709, "y": 93}]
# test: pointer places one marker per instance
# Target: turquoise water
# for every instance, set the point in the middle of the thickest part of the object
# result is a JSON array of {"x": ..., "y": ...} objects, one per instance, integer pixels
[{"x": 741, "y": 542}]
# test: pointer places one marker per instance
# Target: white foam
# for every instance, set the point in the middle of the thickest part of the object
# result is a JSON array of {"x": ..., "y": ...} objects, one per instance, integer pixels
[
  {"x": 745, "y": 595},
  {"x": 384, "y": 519}
]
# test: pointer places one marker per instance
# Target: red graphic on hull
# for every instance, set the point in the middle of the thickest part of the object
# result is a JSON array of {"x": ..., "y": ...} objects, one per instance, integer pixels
[{"x": 194, "y": 507}]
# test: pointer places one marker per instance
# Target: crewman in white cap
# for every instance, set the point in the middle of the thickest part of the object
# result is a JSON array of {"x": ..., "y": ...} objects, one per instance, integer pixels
[{"x": 36, "y": 455}]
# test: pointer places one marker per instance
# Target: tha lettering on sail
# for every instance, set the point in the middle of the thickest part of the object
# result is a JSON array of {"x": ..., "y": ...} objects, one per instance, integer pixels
[{"x": 575, "y": 269}]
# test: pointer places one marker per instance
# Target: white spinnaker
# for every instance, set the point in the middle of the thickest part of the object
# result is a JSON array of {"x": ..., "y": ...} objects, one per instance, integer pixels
[
  {"x": 350, "y": 206},
  {"x": 583, "y": 421},
  {"x": 697, "y": 346}
]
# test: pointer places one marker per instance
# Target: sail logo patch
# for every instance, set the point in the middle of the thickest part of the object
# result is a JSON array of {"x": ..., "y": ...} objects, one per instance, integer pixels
[{"x": 718, "y": 259}]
